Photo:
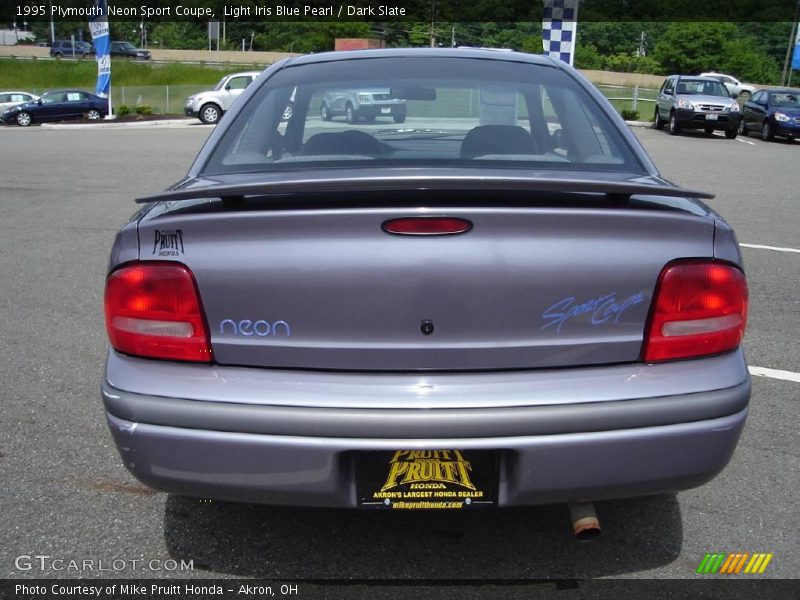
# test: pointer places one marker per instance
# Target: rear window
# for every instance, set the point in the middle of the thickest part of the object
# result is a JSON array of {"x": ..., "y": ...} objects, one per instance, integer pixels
[{"x": 422, "y": 112}]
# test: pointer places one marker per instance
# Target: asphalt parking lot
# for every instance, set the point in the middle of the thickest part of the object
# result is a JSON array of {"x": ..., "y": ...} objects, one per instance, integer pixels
[{"x": 65, "y": 493}]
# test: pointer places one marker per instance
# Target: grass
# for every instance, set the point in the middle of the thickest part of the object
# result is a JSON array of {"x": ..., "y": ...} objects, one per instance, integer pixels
[{"x": 49, "y": 74}]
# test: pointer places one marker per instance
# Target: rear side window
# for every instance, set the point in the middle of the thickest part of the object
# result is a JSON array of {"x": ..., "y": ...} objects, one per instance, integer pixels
[{"x": 422, "y": 112}]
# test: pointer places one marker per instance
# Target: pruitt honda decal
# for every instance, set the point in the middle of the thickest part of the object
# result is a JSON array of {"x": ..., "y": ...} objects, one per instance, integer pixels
[
  {"x": 438, "y": 466},
  {"x": 168, "y": 242},
  {"x": 426, "y": 479}
]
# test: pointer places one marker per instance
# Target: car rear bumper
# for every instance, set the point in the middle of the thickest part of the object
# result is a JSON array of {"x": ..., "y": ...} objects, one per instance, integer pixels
[
  {"x": 378, "y": 108},
  {"x": 699, "y": 119},
  {"x": 279, "y": 453}
]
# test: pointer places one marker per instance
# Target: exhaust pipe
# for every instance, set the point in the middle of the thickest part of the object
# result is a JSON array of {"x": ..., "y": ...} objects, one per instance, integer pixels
[{"x": 585, "y": 525}]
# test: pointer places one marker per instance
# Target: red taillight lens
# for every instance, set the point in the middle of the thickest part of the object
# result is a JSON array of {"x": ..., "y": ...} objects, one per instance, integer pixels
[
  {"x": 700, "y": 309},
  {"x": 153, "y": 310},
  {"x": 427, "y": 226}
]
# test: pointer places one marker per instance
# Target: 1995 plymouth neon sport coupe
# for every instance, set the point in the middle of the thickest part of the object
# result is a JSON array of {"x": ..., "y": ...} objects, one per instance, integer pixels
[{"x": 498, "y": 302}]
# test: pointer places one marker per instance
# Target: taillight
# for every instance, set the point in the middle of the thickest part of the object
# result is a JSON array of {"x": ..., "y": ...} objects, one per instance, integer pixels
[
  {"x": 700, "y": 308},
  {"x": 153, "y": 310}
]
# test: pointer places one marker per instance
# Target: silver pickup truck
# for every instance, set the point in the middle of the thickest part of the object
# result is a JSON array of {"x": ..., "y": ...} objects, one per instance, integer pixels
[{"x": 367, "y": 104}]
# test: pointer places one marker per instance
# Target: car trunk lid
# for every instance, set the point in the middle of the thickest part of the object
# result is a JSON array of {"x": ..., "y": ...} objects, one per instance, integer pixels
[{"x": 531, "y": 285}]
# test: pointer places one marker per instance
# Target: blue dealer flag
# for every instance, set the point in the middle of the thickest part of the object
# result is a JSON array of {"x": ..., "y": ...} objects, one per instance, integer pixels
[
  {"x": 796, "y": 55},
  {"x": 559, "y": 27},
  {"x": 98, "y": 26}
]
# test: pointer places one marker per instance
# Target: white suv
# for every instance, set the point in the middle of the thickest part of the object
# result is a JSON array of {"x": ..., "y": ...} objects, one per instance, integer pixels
[
  {"x": 734, "y": 85},
  {"x": 210, "y": 106}
]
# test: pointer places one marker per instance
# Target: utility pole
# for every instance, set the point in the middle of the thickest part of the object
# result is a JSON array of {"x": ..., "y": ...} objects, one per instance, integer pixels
[
  {"x": 433, "y": 22},
  {"x": 453, "y": 37},
  {"x": 52, "y": 25}
]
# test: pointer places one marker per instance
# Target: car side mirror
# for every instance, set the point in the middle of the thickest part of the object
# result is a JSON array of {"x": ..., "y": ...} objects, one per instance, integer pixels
[
  {"x": 734, "y": 95},
  {"x": 668, "y": 92},
  {"x": 39, "y": 102},
  {"x": 228, "y": 87}
]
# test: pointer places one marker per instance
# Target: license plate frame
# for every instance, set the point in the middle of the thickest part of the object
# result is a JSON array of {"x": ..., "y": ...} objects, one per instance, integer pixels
[
  {"x": 712, "y": 117},
  {"x": 446, "y": 479},
  {"x": 386, "y": 110}
]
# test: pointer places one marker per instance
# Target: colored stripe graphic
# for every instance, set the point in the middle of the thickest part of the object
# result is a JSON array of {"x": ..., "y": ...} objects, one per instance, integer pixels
[
  {"x": 732, "y": 563},
  {"x": 758, "y": 563},
  {"x": 711, "y": 562}
]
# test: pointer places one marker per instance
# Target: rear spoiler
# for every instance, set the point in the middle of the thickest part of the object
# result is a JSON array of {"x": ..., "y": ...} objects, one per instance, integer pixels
[{"x": 618, "y": 190}]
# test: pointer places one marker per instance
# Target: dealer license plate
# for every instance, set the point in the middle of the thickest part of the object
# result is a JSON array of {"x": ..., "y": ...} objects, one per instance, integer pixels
[
  {"x": 427, "y": 479},
  {"x": 711, "y": 117},
  {"x": 386, "y": 111}
]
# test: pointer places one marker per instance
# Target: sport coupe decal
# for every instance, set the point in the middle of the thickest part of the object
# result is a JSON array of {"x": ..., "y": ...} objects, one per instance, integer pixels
[{"x": 603, "y": 309}]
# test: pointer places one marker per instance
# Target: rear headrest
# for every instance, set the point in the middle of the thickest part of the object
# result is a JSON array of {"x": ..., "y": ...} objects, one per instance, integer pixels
[
  {"x": 342, "y": 142},
  {"x": 497, "y": 139}
]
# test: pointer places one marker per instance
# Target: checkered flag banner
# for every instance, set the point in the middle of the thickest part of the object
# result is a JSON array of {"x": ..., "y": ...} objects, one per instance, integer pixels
[{"x": 559, "y": 28}]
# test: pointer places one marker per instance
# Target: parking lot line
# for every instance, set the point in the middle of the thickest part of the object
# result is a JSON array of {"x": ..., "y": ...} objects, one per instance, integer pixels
[
  {"x": 775, "y": 374},
  {"x": 775, "y": 248},
  {"x": 745, "y": 141}
]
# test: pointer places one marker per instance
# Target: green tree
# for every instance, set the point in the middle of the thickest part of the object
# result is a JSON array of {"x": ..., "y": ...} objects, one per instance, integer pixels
[
  {"x": 693, "y": 47},
  {"x": 743, "y": 59},
  {"x": 697, "y": 47},
  {"x": 587, "y": 57},
  {"x": 308, "y": 36},
  {"x": 631, "y": 63},
  {"x": 179, "y": 35}
]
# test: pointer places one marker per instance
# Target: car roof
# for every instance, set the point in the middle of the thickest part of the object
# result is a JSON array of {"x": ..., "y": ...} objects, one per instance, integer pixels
[
  {"x": 780, "y": 90},
  {"x": 696, "y": 78},
  {"x": 68, "y": 90},
  {"x": 482, "y": 53},
  {"x": 16, "y": 92}
]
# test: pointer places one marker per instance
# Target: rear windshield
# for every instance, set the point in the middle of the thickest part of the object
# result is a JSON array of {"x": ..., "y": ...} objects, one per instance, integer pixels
[{"x": 422, "y": 112}]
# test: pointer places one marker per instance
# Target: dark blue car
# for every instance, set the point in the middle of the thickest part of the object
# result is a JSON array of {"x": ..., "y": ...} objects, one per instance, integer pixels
[
  {"x": 774, "y": 113},
  {"x": 58, "y": 105}
]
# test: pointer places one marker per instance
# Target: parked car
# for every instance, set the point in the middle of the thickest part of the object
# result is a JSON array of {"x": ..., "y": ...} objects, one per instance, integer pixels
[
  {"x": 466, "y": 311},
  {"x": 211, "y": 105},
  {"x": 692, "y": 102},
  {"x": 735, "y": 87},
  {"x": 57, "y": 105},
  {"x": 773, "y": 112},
  {"x": 364, "y": 104},
  {"x": 66, "y": 48},
  {"x": 128, "y": 50},
  {"x": 11, "y": 99}
]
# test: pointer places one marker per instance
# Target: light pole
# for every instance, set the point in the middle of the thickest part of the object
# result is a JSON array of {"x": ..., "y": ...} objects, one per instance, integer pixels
[{"x": 52, "y": 25}]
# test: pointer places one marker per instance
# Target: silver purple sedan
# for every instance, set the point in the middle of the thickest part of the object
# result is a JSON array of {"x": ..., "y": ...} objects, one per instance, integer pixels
[{"x": 498, "y": 302}]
